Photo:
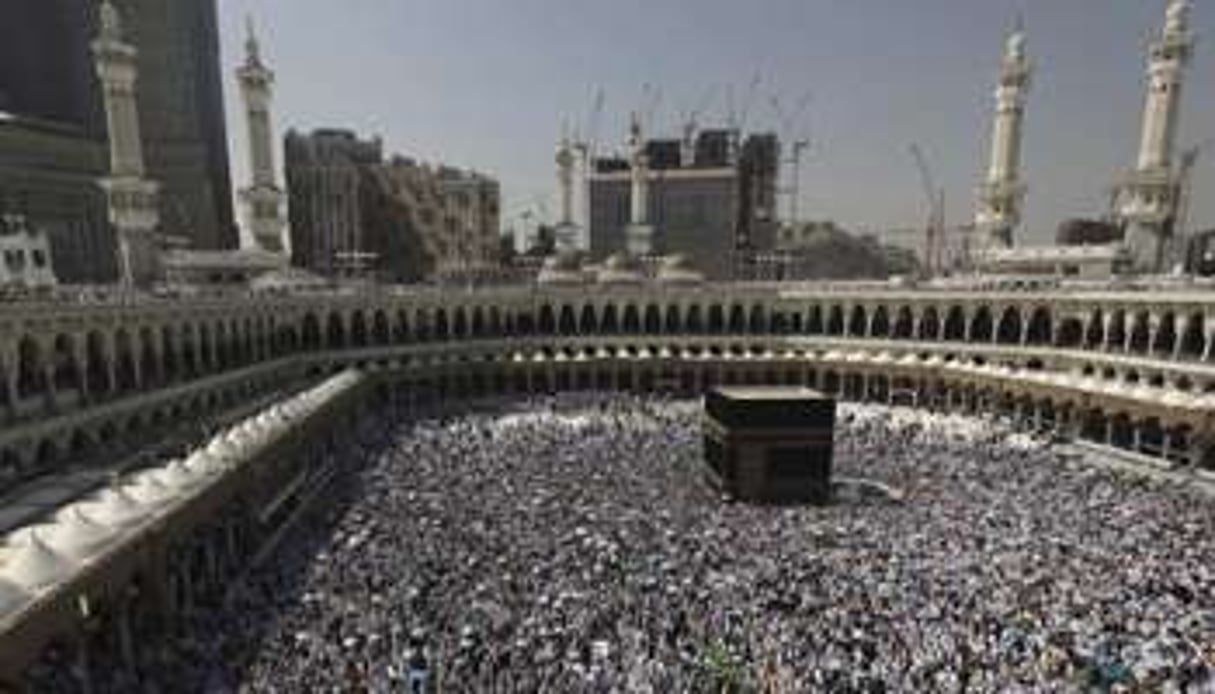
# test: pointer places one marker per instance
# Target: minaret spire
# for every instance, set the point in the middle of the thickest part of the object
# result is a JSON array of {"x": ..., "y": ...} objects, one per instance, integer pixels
[
  {"x": 566, "y": 232},
  {"x": 639, "y": 237},
  {"x": 132, "y": 200},
  {"x": 1001, "y": 195},
  {"x": 1148, "y": 199},
  {"x": 263, "y": 198}
]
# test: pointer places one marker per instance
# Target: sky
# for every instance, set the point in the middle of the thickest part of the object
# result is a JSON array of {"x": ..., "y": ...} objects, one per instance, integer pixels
[{"x": 487, "y": 84}]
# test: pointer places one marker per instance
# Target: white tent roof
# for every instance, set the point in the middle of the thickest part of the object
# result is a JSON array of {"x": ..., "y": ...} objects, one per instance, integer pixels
[{"x": 33, "y": 566}]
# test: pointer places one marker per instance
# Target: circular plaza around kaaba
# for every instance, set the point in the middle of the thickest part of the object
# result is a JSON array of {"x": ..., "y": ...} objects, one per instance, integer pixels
[{"x": 572, "y": 544}]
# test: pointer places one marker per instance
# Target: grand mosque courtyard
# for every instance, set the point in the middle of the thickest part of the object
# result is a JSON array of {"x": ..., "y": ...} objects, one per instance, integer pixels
[{"x": 571, "y": 544}]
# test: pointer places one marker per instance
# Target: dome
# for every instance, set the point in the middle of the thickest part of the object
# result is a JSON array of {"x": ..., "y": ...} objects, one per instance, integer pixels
[
  {"x": 114, "y": 508},
  {"x": 562, "y": 268},
  {"x": 77, "y": 536},
  {"x": 33, "y": 566},
  {"x": 147, "y": 489},
  {"x": 676, "y": 269},
  {"x": 176, "y": 475}
]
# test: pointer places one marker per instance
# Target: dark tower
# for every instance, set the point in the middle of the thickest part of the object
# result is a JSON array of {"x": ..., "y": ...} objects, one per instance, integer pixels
[{"x": 181, "y": 111}]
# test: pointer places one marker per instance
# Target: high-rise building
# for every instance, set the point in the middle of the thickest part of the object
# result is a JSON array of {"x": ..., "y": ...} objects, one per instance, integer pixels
[
  {"x": 353, "y": 211},
  {"x": 716, "y": 209},
  {"x": 181, "y": 107},
  {"x": 53, "y": 134}
]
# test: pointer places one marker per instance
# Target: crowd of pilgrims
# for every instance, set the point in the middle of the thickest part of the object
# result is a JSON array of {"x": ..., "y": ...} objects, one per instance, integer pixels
[{"x": 572, "y": 544}]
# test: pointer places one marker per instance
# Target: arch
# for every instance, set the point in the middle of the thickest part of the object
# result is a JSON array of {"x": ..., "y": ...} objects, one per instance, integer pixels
[
  {"x": 880, "y": 326},
  {"x": 814, "y": 320},
  {"x": 858, "y": 322},
  {"x": 1094, "y": 331},
  {"x": 835, "y": 321},
  {"x": 459, "y": 323},
  {"x": 586, "y": 321},
  {"x": 717, "y": 319},
  {"x": 1166, "y": 335},
  {"x": 904, "y": 324},
  {"x": 496, "y": 327},
  {"x": 220, "y": 356},
  {"x": 756, "y": 325},
  {"x": 1140, "y": 333},
  {"x": 982, "y": 329},
  {"x": 1008, "y": 331},
  {"x": 1070, "y": 333},
  {"x": 421, "y": 325},
  {"x": 400, "y": 327},
  {"x": 566, "y": 323},
  {"x": 168, "y": 354},
  {"x": 631, "y": 325},
  {"x": 671, "y": 323},
  {"x": 778, "y": 323},
  {"x": 310, "y": 333},
  {"x": 930, "y": 324},
  {"x": 441, "y": 330},
  {"x": 478, "y": 322},
  {"x": 694, "y": 324},
  {"x": 610, "y": 321},
  {"x": 358, "y": 330},
  {"x": 1117, "y": 330},
  {"x": 336, "y": 332},
  {"x": 955, "y": 324},
  {"x": 66, "y": 371},
  {"x": 1193, "y": 339},
  {"x": 546, "y": 321},
  {"x": 738, "y": 320},
  {"x": 31, "y": 371},
  {"x": 124, "y": 362},
  {"x": 1040, "y": 330},
  {"x": 652, "y": 320},
  {"x": 381, "y": 332},
  {"x": 97, "y": 364},
  {"x": 149, "y": 367}
]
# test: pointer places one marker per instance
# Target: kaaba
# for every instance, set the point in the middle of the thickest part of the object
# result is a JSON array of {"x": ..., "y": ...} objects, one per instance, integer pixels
[{"x": 769, "y": 444}]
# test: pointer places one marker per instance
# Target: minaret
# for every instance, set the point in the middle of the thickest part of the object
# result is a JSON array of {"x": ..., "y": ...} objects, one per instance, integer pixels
[
  {"x": 567, "y": 230},
  {"x": 639, "y": 237},
  {"x": 263, "y": 198},
  {"x": 132, "y": 199},
  {"x": 1000, "y": 196},
  {"x": 1148, "y": 200}
]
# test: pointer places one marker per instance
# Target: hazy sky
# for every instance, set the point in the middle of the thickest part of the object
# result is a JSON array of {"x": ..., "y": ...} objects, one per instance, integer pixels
[{"x": 486, "y": 84}]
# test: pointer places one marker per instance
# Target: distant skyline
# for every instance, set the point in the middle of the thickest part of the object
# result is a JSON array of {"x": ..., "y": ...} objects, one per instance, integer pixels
[{"x": 486, "y": 84}]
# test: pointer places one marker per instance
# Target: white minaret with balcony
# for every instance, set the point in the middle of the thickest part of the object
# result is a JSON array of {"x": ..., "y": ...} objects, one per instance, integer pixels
[
  {"x": 639, "y": 236},
  {"x": 1147, "y": 202},
  {"x": 1001, "y": 195},
  {"x": 567, "y": 229},
  {"x": 263, "y": 198},
  {"x": 132, "y": 200}
]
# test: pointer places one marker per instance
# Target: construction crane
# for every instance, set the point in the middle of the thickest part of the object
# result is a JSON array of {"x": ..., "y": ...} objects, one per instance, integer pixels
[
  {"x": 651, "y": 100},
  {"x": 690, "y": 118},
  {"x": 737, "y": 113},
  {"x": 935, "y": 197},
  {"x": 799, "y": 145}
]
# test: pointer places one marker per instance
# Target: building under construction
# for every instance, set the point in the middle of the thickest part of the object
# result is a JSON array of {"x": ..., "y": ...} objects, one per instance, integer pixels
[{"x": 711, "y": 198}]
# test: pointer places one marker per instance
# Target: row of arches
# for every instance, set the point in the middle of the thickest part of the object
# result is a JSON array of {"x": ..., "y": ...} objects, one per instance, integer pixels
[{"x": 51, "y": 373}]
